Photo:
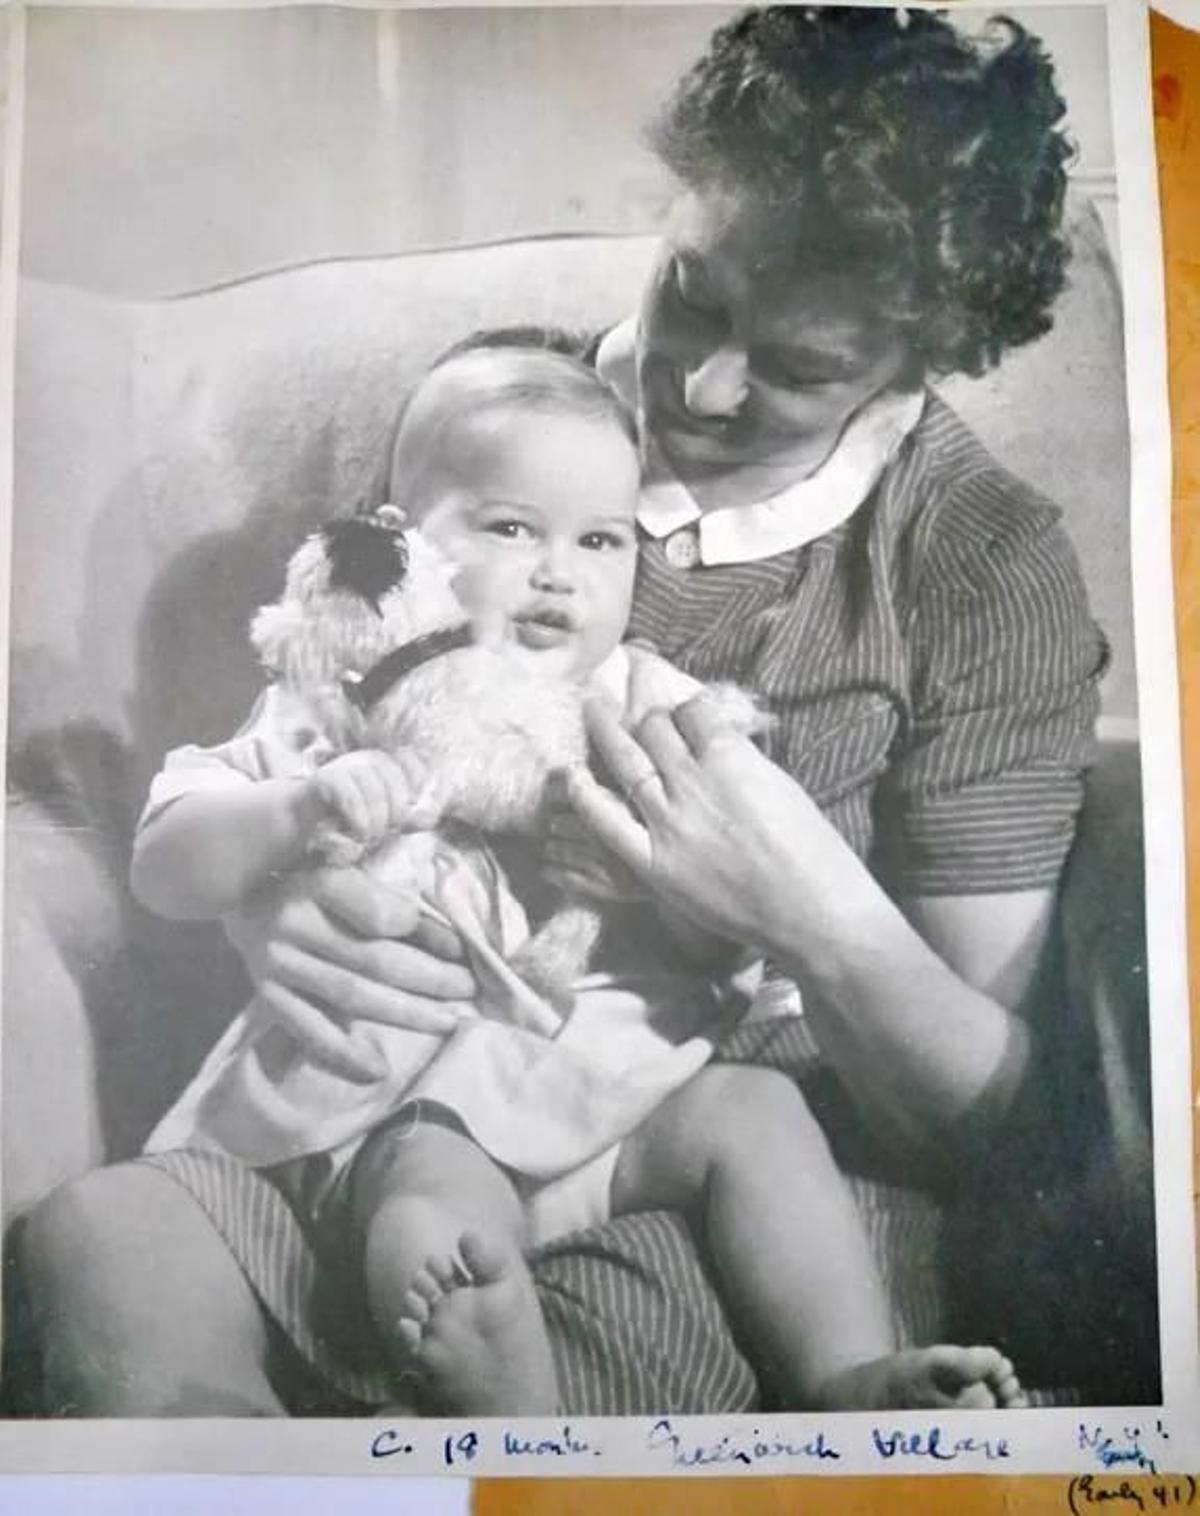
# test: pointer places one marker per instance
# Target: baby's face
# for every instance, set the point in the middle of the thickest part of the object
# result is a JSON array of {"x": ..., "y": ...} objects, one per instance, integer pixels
[{"x": 537, "y": 511}]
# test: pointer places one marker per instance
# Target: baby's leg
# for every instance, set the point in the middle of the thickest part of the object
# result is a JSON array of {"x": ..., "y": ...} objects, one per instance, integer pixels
[
  {"x": 740, "y": 1146},
  {"x": 446, "y": 1280}
]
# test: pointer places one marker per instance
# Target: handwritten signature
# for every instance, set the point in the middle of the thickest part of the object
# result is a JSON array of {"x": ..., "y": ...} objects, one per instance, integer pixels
[
  {"x": 1126, "y": 1450},
  {"x": 933, "y": 1446},
  {"x": 749, "y": 1450}
]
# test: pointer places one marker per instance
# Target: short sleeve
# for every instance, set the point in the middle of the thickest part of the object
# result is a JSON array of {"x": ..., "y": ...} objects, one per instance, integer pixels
[
  {"x": 988, "y": 778},
  {"x": 280, "y": 739}
]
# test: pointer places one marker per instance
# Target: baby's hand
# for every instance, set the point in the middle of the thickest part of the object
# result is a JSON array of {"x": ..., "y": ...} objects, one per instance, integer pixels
[{"x": 365, "y": 796}]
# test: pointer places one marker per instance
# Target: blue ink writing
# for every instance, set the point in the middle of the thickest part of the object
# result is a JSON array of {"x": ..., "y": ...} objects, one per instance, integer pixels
[
  {"x": 387, "y": 1444},
  {"x": 553, "y": 1447},
  {"x": 461, "y": 1448},
  {"x": 747, "y": 1450},
  {"x": 1112, "y": 1452},
  {"x": 930, "y": 1445}
]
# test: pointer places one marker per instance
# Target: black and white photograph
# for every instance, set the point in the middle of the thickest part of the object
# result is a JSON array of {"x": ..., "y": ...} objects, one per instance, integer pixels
[{"x": 579, "y": 768}]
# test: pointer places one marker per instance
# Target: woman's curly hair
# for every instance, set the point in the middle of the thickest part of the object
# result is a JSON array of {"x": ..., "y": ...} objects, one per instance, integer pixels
[{"x": 926, "y": 164}]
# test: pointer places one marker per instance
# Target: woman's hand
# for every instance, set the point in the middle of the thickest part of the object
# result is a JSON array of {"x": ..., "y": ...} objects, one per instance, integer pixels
[
  {"x": 713, "y": 827},
  {"x": 574, "y": 861},
  {"x": 733, "y": 842},
  {"x": 331, "y": 946}
]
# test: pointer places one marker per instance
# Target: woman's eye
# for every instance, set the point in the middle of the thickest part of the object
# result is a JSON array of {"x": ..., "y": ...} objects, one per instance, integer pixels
[{"x": 786, "y": 379}]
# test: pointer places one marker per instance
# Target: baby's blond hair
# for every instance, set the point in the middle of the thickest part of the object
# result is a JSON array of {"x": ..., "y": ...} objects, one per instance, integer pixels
[{"x": 469, "y": 382}]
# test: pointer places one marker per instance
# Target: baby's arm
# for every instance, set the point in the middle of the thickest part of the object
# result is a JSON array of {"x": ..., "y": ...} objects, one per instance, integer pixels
[{"x": 207, "y": 852}]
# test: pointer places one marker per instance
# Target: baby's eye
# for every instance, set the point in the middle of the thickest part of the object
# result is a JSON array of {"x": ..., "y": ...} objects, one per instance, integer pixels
[
  {"x": 509, "y": 528},
  {"x": 602, "y": 541}
]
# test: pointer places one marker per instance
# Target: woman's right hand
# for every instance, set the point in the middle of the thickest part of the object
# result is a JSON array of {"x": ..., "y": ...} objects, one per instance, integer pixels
[{"x": 333, "y": 945}]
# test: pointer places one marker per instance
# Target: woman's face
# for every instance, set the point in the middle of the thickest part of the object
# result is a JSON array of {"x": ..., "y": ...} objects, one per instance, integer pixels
[{"x": 742, "y": 362}]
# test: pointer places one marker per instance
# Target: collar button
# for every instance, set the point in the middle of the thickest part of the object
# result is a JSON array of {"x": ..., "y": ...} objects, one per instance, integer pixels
[{"x": 682, "y": 548}]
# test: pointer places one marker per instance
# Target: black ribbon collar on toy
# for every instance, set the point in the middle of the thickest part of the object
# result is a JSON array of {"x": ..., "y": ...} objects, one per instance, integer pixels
[{"x": 366, "y": 690}]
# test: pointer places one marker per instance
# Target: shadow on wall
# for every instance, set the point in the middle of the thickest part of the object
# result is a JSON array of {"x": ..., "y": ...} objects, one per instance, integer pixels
[{"x": 155, "y": 994}]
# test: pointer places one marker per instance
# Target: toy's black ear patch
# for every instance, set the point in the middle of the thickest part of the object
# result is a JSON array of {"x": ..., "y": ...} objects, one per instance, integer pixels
[{"x": 367, "y": 557}]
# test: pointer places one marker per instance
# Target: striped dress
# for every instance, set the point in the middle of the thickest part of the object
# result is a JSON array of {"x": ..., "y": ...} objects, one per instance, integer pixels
[{"x": 932, "y": 670}]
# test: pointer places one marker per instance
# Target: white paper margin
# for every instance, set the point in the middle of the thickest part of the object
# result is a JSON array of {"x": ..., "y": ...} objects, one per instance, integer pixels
[{"x": 1065, "y": 1441}]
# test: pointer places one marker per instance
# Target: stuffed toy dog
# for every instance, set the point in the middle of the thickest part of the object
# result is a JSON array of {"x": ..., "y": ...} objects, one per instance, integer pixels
[{"x": 370, "y": 635}]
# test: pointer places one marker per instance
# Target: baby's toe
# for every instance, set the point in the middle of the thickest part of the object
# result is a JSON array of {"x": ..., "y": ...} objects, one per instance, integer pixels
[
  {"x": 487, "y": 1263},
  {"x": 415, "y": 1308},
  {"x": 409, "y": 1333},
  {"x": 982, "y": 1363},
  {"x": 426, "y": 1285},
  {"x": 444, "y": 1273}
]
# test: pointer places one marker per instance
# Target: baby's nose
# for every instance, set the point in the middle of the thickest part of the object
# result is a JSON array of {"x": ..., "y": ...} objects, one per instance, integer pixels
[
  {"x": 718, "y": 385},
  {"x": 552, "y": 572}
]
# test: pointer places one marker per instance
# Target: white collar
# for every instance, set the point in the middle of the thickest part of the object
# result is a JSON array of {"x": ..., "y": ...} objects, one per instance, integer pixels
[{"x": 801, "y": 513}]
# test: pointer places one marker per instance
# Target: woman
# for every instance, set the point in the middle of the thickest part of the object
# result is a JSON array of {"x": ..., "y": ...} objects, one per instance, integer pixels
[{"x": 868, "y": 201}]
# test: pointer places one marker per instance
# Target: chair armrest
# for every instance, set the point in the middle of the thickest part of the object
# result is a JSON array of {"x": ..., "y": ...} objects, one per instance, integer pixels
[
  {"x": 1104, "y": 958},
  {"x": 60, "y": 922}
]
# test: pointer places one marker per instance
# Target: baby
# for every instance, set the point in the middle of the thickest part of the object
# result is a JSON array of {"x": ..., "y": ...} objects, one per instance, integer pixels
[{"x": 521, "y": 468}]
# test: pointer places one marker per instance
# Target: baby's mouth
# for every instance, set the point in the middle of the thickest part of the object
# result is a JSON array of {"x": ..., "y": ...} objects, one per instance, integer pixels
[{"x": 542, "y": 628}]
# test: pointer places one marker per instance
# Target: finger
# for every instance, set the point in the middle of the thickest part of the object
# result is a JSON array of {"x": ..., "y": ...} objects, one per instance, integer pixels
[
  {"x": 572, "y": 882},
  {"x": 701, "y": 722},
  {"x": 388, "y": 982},
  {"x": 626, "y": 760},
  {"x": 375, "y": 790},
  {"x": 411, "y": 793},
  {"x": 439, "y": 938},
  {"x": 571, "y": 853},
  {"x": 669, "y": 753},
  {"x": 318, "y": 1035},
  {"x": 430, "y": 951},
  {"x": 415, "y": 770},
  {"x": 609, "y": 821},
  {"x": 346, "y": 798},
  {"x": 361, "y": 903},
  {"x": 425, "y": 806}
]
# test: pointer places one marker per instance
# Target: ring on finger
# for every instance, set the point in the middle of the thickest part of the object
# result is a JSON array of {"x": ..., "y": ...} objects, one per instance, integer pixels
[{"x": 632, "y": 790}]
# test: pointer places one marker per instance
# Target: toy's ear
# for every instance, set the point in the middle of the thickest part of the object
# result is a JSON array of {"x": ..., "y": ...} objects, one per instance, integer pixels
[
  {"x": 273, "y": 629},
  {"x": 740, "y": 709}
]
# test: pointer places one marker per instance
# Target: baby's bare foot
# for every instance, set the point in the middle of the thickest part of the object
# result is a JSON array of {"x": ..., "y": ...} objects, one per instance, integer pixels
[
  {"x": 940, "y": 1378},
  {"x": 475, "y": 1332}
]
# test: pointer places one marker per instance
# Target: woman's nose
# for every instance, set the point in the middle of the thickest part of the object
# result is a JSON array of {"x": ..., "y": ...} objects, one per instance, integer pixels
[{"x": 718, "y": 385}]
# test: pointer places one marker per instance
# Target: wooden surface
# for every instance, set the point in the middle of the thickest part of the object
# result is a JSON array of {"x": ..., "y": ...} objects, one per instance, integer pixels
[{"x": 1176, "y": 54}]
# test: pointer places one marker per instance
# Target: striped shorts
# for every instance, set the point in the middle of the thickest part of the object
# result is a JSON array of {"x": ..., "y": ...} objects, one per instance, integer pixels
[{"x": 634, "y": 1321}]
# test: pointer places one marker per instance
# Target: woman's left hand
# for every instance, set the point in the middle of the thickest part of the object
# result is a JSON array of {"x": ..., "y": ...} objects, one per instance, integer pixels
[
  {"x": 575, "y": 861},
  {"x": 712, "y": 826}
]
